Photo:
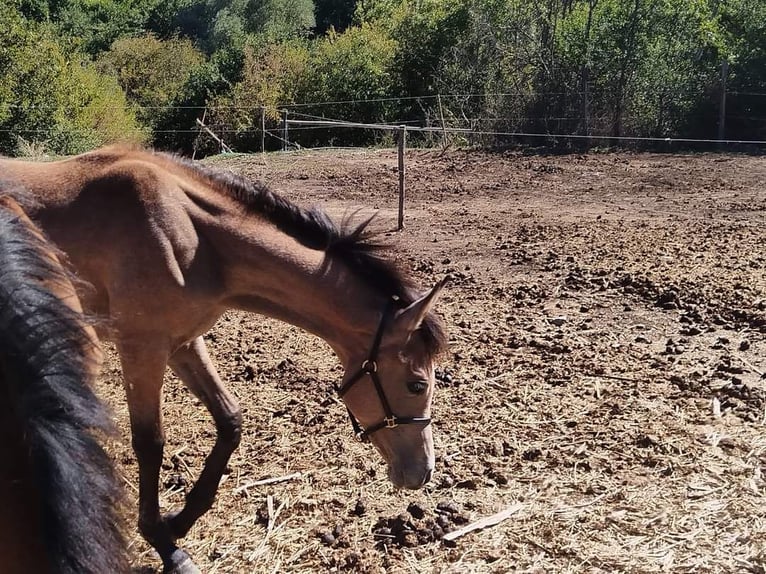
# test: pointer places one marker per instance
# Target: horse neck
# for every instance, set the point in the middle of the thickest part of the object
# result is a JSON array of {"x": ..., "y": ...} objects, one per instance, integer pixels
[{"x": 270, "y": 273}]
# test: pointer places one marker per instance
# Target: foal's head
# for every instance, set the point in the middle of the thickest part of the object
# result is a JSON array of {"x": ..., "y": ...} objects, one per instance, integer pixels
[
  {"x": 389, "y": 381},
  {"x": 388, "y": 388}
]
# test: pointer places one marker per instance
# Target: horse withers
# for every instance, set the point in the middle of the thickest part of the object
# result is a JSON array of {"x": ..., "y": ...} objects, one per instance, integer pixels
[
  {"x": 59, "y": 494},
  {"x": 169, "y": 245}
]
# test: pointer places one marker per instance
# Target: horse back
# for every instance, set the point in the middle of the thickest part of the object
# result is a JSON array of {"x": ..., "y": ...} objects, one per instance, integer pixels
[{"x": 126, "y": 220}]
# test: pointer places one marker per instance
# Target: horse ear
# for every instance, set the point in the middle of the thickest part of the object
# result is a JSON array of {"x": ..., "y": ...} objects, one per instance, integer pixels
[{"x": 409, "y": 319}]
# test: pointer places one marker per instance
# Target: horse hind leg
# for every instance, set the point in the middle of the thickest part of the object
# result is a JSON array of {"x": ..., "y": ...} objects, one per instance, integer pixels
[
  {"x": 143, "y": 366},
  {"x": 194, "y": 367}
]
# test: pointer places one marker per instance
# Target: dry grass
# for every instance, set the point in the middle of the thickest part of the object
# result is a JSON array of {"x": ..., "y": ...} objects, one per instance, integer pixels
[{"x": 601, "y": 431}]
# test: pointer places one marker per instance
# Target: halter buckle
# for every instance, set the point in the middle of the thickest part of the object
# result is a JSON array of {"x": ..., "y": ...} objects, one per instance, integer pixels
[
  {"x": 390, "y": 422},
  {"x": 369, "y": 366}
]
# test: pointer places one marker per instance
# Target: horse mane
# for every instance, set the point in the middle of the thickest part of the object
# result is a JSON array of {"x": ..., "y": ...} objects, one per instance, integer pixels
[
  {"x": 42, "y": 363},
  {"x": 353, "y": 242}
]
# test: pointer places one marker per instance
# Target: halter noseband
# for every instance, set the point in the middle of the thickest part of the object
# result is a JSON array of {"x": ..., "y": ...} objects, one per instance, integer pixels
[{"x": 370, "y": 367}]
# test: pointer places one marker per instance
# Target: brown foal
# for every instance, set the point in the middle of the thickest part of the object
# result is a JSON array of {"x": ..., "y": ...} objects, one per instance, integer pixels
[{"x": 168, "y": 246}]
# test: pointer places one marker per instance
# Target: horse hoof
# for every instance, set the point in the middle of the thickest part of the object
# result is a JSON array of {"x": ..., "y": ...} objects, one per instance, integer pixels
[{"x": 180, "y": 563}]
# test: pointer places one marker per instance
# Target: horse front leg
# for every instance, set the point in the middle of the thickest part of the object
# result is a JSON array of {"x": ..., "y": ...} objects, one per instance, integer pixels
[
  {"x": 143, "y": 366},
  {"x": 194, "y": 367}
]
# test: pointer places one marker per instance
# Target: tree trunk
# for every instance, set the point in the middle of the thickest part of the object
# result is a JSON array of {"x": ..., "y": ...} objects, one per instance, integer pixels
[
  {"x": 626, "y": 59},
  {"x": 585, "y": 75}
]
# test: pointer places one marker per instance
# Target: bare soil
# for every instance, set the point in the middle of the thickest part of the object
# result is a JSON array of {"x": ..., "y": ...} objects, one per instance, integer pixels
[{"x": 607, "y": 317}]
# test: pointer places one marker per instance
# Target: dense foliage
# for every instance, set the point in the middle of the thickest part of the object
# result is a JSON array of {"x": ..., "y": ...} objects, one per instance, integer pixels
[{"x": 75, "y": 74}]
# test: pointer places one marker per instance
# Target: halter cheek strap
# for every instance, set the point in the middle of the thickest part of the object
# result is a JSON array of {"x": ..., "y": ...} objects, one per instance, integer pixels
[{"x": 370, "y": 367}]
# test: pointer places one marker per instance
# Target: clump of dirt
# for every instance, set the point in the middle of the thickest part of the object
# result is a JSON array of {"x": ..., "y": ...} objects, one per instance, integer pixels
[{"x": 419, "y": 526}]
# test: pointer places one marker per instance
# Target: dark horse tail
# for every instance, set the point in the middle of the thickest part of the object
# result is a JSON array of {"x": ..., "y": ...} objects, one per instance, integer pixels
[{"x": 45, "y": 364}]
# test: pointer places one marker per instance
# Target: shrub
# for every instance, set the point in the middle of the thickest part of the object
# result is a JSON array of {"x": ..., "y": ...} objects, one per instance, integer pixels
[
  {"x": 52, "y": 99},
  {"x": 355, "y": 68},
  {"x": 92, "y": 111},
  {"x": 150, "y": 71},
  {"x": 271, "y": 75}
]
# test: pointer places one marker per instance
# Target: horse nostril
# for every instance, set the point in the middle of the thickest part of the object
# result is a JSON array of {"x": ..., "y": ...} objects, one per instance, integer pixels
[{"x": 427, "y": 477}]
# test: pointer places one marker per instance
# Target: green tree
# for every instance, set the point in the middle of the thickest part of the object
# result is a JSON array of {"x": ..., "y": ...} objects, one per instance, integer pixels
[
  {"x": 51, "y": 98},
  {"x": 174, "y": 128},
  {"x": 91, "y": 111},
  {"x": 744, "y": 31},
  {"x": 271, "y": 76},
  {"x": 29, "y": 69},
  {"x": 428, "y": 36},
  {"x": 280, "y": 20},
  {"x": 354, "y": 67},
  {"x": 336, "y": 14},
  {"x": 179, "y": 18},
  {"x": 98, "y": 23},
  {"x": 150, "y": 71}
]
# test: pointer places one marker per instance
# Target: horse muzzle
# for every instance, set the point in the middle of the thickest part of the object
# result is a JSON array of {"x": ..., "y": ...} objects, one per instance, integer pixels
[{"x": 410, "y": 477}]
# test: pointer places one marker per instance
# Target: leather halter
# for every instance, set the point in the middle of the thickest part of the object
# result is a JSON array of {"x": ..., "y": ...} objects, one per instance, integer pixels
[{"x": 370, "y": 367}]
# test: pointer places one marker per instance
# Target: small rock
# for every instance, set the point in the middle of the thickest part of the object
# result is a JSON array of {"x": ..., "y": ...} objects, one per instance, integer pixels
[
  {"x": 448, "y": 507},
  {"x": 447, "y": 481},
  {"x": 558, "y": 321},
  {"x": 327, "y": 538},
  {"x": 532, "y": 454},
  {"x": 360, "y": 508},
  {"x": 744, "y": 345},
  {"x": 499, "y": 478},
  {"x": 416, "y": 510},
  {"x": 459, "y": 518},
  {"x": 691, "y": 331},
  {"x": 647, "y": 441},
  {"x": 176, "y": 481},
  {"x": 351, "y": 561}
]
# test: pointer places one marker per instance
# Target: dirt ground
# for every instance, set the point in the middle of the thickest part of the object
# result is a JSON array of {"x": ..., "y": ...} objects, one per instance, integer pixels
[{"x": 607, "y": 318}]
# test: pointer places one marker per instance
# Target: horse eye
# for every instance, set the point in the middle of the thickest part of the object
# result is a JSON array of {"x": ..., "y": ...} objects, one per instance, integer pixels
[{"x": 417, "y": 387}]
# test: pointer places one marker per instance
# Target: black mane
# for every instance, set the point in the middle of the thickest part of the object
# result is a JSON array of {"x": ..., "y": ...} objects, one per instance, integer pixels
[
  {"x": 355, "y": 244},
  {"x": 44, "y": 371}
]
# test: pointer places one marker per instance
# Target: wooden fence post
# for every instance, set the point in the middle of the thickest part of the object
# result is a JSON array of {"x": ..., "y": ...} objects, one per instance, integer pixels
[
  {"x": 441, "y": 118},
  {"x": 402, "y": 142},
  {"x": 722, "y": 110},
  {"x": 284, "y": 130},
  {"x": 219, "y": 141},
  {"x": 199, "y": 133},
  {"x": 263, "y": 129}
]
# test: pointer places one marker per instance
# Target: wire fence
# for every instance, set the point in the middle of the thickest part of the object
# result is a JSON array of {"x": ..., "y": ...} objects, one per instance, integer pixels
[
  {"x": 309, "y": 124},
  {"x": 671, "y": 94},
  {"x": 440, "y": 117}
]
